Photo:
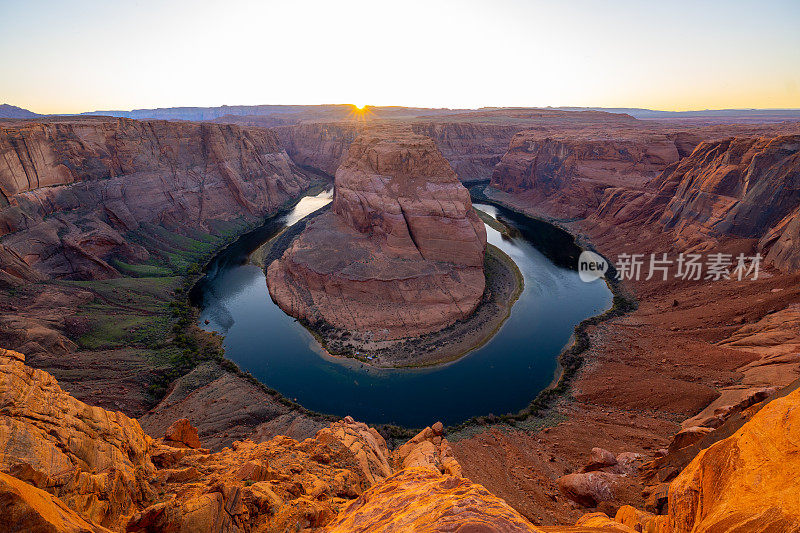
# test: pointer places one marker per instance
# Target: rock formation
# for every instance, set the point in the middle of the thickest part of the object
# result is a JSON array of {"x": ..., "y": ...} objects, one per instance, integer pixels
[
  {"x": 72, "y": 190},
  {"x": 399, "y": 254},
  {"x": 741, "y": 194},
  {"x": 746, "y": 479},
  {"x": 472, "y": 149},
  {"x": 321, "y": 146},
  {"x": 565, "y": 174},
  {"x": 68, "y": 466},
  {"x": 418, "y": 499}
]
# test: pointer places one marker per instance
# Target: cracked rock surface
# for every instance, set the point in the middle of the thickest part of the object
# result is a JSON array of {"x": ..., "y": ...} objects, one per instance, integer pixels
[{"x": 399, "y": 254}]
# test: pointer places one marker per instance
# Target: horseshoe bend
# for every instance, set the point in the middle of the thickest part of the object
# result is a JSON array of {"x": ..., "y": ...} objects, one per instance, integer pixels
[{"x": 554, "y": 314}]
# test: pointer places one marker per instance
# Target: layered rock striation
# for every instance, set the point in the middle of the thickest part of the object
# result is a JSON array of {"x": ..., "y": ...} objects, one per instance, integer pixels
[
  {"x": 399, "y": 254},
  {"x": 741, "y": 189},
  {"x": 566, "y": 173},
  {"x": 73, "y": 190}
]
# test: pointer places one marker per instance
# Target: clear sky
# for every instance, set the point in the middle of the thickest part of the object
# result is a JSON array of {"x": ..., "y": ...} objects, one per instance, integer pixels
[{"x": 71, "y": 56}]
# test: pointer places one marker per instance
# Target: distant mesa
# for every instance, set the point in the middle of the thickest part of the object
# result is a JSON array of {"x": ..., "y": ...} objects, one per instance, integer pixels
[{"x": 12, "y": 111}]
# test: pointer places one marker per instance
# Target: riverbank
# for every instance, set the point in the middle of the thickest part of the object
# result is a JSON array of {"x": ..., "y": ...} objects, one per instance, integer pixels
[{"x": 504, "y": 284}]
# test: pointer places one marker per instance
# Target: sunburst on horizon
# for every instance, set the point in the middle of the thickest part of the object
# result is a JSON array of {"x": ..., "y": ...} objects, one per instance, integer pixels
[{"x": 360, "y": 112}]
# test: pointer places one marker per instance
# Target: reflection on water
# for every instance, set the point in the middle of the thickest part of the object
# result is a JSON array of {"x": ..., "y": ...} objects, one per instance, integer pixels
[{"x": 503, "y": 375}]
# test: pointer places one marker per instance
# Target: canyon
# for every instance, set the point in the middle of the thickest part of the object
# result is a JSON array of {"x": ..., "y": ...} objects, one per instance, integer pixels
[
  {"x": 103, "y": 221},
  {"x": 73, "y": 191}
]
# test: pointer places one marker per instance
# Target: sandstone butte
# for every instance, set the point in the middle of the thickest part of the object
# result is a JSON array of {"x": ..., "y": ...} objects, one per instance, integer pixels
[
  {"x": 73, "y": 191},
  {"x": 67, "y": 466},
  {"x": 399, "y": 254}
]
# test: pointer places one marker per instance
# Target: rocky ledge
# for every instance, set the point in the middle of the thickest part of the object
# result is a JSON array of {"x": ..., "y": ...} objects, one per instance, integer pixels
[
  {"x": 400, "y": 254},
  {"x": 66, "y": 466}
]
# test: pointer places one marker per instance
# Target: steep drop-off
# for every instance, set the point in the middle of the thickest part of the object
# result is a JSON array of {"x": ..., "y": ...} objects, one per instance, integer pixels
[
  {"x": 66, "y": 466},
  {"x": 565, "y": 174},
  {"x": 72, "y": 190},
  {"x": 738, "y": 193},
  {"x": 400, "y": 253}
]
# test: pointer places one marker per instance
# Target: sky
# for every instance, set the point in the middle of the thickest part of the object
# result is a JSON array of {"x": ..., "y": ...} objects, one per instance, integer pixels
[{"x": 72, "y": 56}]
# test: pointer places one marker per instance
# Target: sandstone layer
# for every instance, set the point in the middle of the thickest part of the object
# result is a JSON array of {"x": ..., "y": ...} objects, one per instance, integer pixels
[
  {"x": 746, "y": 189},
  {"x": 565, "y": 174},
  {"x": 67, "y": 466},
  {"x": 746, "y": 480},
  {"x": 73, "y": 190},
  {"x": 399, "y": 254}
]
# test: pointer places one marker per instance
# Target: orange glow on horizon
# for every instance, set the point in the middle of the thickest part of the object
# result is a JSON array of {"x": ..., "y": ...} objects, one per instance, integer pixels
[{"x": 360, "y": 112}]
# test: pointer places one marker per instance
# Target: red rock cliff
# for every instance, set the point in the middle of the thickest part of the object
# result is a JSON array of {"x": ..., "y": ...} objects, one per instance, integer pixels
[
  {"x": 565, "y": 174},
  {"x": 70, "y": 189},
  {"x": 399, "y": 254},
  {"x": 745, "y": 189}
]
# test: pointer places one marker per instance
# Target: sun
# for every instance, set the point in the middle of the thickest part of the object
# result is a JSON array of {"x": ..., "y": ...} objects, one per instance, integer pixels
[{"x": 360, "y": 112}]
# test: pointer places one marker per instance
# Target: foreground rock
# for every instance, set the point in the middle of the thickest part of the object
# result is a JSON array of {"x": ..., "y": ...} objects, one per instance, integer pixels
[
  {"x": 68, "y": 466},
  {"x": 419, "y": 499},
  {"x": 746, "y": 479},
  {"x": 399, "y": 255}
]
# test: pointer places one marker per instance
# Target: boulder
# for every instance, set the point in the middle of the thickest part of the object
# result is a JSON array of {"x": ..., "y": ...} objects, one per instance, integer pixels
[
  {"x": 421, "y": 499},
  {"x": 182, "y": 433},
  {"x": 589, "y": 488},
  {"x": 599, "y": 459}
]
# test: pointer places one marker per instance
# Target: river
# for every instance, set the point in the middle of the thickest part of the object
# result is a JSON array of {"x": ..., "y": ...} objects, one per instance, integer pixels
[{"x": 501, "y": 376}]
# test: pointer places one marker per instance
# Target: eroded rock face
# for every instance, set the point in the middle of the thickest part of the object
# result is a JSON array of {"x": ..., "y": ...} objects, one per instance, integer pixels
[
  {"x": 26, "y": 508},
  {"x": 321, "y": 146},
  {"x": 740, "y": 194},
  {"x": 71, "y": 190},
  {"x": 746, "y": 479},
  {"x": 742, "y": 187},
  {"x": 565, "y": 174},
  {"x": 399, "y": 254},
  {"x": 96, "y": 461},
  {"x": 421, "y": 499},
  {"x": 67, "y": 466},
  {"x": 473, "y": 149}
]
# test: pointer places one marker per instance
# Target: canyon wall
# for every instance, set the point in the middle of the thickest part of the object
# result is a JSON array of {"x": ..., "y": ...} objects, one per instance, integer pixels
[
  {"x": 736, "y": 189},
  {"x": 72, "y": 190},
  {"x": 320, "y": 146},
  {"x": 399, "y": 254},
  {"x": 472, "y": 149},
  {"x": 565, "y": 174}
]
